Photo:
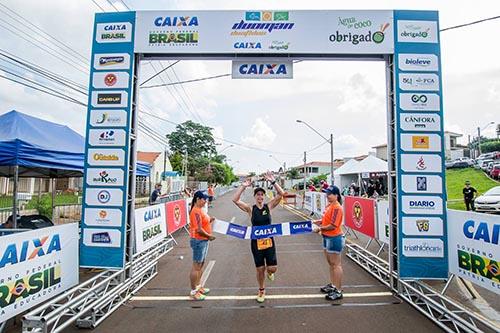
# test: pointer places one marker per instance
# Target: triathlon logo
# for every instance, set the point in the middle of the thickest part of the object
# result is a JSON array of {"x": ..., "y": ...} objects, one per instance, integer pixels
[{"x": 357, "y": 214}]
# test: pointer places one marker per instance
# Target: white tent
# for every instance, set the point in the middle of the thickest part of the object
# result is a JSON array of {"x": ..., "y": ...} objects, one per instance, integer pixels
[{"x": 350, "y": 172}]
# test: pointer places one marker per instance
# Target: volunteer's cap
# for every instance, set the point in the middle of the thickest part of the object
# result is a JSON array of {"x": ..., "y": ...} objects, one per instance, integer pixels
[
  {"x": 332, "y": 190},
  {"x": 200, "y": 195}
]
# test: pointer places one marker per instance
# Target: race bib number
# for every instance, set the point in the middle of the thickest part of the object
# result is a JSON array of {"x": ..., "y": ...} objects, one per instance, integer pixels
[{"x": 264, "y": 243}]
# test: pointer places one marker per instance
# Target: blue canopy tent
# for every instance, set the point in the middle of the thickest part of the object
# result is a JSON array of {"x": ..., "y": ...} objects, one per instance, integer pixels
[{"x": 32, "y": 147}]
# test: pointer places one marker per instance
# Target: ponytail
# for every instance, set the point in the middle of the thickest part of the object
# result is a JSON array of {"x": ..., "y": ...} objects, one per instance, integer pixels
[
  {"x": 193, "y": 202},
  {"x": 339, "y": 199}
]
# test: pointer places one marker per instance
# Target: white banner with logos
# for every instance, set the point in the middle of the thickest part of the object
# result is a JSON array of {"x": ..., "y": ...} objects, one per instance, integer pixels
[
  {"x": 308, "y": 201},
  {"x": 36, "y": 266},
  {"x": 473, "y": 246},
  {"x": 268, "y": 31},
  {"x": 150, "y": 226},
  {"x": 319, "y": 203},
  {"x": 383, "y": 221},
  {"x": 267, "y": 69}
]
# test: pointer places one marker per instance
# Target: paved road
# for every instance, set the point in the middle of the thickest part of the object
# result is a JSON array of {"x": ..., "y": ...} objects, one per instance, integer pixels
[{"x": 367, "y": 306}]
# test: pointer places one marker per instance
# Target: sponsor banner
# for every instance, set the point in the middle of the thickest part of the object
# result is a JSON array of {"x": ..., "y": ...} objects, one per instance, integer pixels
[
  {"x": 422, "y": 226},
  {"x": 319, "y": 202},
  {"x": 176, "y": 215},
  {"x": 359, "y": 215},
  {"x": 308, "y": 201},
  {"x": 258, "y": 232},
  {"x": 268, "y": 31},
  {"x": 423, "y": 247},
  {"x": 422, "y": 184},
  {"x": 419, "y": 102},
  {"x": 109, "y": 99},
  {"x": 150, "y": 226},
  {"x": 417, "y": 31},
  {"x": 418, "y": 62},
  {"x": 36, "y": 266},
  {"x": 116, "y": 32},
  {"x": 104, "y": 177},
  {"x": 383, "y": 221},
  {"x": 473, "y": 248},
  {"x": 103, "y": 217},
  {"x": 422, "y": 122},
  {"x": 421, "y": 142},
  {"x": 421, "y": 163},
  {"x": 429, "y": 205},
  {"x": 111, "y": 61},
  {"x": 262, "y": 70},
  {"x": 418, "y": 81},
  {"x": 110, "y": 80},
  {"x": 104, "y": 197},
  {"x": 106, "y": 157},
  {"x": 108, "y": 118},
  {"x": 101, "y": 237},
  {"x": 107, "y": 137}
]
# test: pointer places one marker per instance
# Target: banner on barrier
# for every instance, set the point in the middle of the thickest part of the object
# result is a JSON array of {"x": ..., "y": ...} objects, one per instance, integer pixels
[
  {"x": 319, "y": 202},
  {"x": 176, "y": 215},
  {"x": 36, "y": 266},
  {"x": 263, "y": 231},
  {"x": 383, "y": 221},
  {"x": 308, "y": 201},
  {"x": 150, "y": 226},
  {"x": 473, "y": 248},
  {"x": 359, "y": 215}
]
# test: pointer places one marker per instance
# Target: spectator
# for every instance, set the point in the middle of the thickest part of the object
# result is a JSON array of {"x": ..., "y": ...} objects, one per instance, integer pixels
[
  {"x": 9, "y": 224},
  {"x": 211, "y": 195},
  {"x": 370, "y": 189},
  {"x": 311, "y": 187},
  {"x": 379, "y": 187},
  {"x": 324, "y": 185},
  {"x": 155, "y": 194},
  {"x": 470, "y": 194},
  {"x": 345, "y": 190}
]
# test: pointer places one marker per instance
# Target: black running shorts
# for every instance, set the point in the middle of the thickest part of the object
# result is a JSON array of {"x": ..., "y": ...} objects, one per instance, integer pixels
[{"x": 265, "y": 257}]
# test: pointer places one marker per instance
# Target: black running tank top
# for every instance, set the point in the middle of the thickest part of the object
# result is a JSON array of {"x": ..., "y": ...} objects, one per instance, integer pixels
[{"x": 261, "y": 216}]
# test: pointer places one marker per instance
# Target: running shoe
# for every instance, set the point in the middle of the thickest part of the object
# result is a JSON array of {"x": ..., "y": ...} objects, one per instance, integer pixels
[
  {"x": 334, "y": 295},
  {"x": 198, "y": 296},
  {"x": 270, "y": 276},
  {"x": 261, "y": 296},
  {"x": 204, "y": 291},
  {"x": 328, "y": 288}
]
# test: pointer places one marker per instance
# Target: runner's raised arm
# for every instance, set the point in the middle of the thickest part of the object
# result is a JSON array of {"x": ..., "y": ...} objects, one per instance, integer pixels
[
  {"x": 276, "y": 200},
  {"x": 237, "y": 196}
]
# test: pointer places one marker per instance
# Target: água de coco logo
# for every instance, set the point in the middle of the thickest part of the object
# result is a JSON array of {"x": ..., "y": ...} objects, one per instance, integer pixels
[{"x": 355, "y": 37}]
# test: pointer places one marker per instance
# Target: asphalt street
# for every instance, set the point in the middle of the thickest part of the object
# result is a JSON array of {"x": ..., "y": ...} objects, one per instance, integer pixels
[{"x": 294, "y": 302}]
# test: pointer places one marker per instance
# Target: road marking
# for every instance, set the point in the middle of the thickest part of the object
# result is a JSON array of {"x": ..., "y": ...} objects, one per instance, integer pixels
[
  {"x": 345, "y": 286},
  {"x": 247, "y": 297},
  {"x": 206, "y": 272}
]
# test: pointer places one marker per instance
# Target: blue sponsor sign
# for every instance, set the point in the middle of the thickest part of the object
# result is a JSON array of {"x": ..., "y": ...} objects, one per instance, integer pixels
[
  {"x": 237, "y": 231},
  {"x": 300, "y": 227},
  {"x": 417, "y": 77},
  {"x": 266, "y": 231},
  {"x": 111, "y": 83}
]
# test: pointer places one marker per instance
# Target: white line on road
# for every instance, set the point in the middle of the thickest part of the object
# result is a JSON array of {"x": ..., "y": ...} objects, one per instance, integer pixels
[
  {"x": 246, "y": 297},
  {"x": 206, "y": 272}
]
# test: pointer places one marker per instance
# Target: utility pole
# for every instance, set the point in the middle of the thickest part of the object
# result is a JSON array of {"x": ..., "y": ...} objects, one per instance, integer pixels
[
  {"x": 305, "y": 173},
  {"x": 164, "y": 164},
  {"x": 479, "y": 140},
  {"x": 470, "y": 148},
  {"x": 331, "y": 158}
]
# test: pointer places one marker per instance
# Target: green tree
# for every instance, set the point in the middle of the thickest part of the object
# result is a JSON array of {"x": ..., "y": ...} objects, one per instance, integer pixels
[
  {"x": 176, "y": 160},
  {"x": 293, "y": 174},
  {"x": 197, "y": 139},
  {"x": 490, "y": 146}
]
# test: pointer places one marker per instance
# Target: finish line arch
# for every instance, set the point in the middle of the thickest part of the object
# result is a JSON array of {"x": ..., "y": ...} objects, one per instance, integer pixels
[{"x": 407, "y": 41}]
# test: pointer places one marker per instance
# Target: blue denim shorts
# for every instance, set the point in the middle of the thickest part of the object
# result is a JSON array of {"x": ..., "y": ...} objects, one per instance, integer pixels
[
  {"x": 334, "y": 244},
  {"x": 200, "y": 249}
]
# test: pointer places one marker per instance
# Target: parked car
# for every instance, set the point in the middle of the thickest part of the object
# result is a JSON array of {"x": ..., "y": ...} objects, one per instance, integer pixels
[
  {"x": 489, "y": 201},
  {"x": 495, "y": 172},
  {"x": 485, "y": 156},
  {"x": 34, "y": 222},
  {"x": 465, "y": 159},
  {"x": 456, "y": 164},
  {"x": 484, "y": 164}
]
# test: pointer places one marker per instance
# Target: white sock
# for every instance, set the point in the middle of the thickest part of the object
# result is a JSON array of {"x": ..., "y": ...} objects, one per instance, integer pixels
[{"x": 194, "y": 291}]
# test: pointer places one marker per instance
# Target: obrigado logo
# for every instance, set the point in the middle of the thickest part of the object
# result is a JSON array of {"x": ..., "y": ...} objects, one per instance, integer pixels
[
  {"x": 178, "y": 30},
  {"x": 357, "y": 214},
  {"x": 480, "y": 266},
  {"x": 354, "y": 38},
  {"x": 262, "y": 23},
  {"x": 26, "y": 287},
  {"x": 28, "y": 250},
  {"x": 247, "y": 45},
  {"x": 263, "y": 69},
  {"x": 482, "y": 231}
]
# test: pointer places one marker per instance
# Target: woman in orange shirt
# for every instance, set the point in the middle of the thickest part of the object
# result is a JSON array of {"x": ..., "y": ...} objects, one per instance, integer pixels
[
  {"x": 200, "y": 231},
  {"x": 330, "y": 227}
]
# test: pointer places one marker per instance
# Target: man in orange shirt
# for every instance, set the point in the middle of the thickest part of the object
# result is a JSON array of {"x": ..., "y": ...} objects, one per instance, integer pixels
[
  {"x": 330, "y": 227},
  {"x": 211, "y": 194},
  {"x": 200, "y": 231}
]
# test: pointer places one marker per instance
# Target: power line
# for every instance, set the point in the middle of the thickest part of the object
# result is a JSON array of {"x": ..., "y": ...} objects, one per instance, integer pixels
[
  {"x": 188, "y": 81},
  {"x": 158, "y": 73},
  {"x": 470, "y": 23}
]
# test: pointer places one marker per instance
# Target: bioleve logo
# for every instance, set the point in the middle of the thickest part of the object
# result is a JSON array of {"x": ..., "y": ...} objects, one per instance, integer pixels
[{"x": 261, "y": 23}]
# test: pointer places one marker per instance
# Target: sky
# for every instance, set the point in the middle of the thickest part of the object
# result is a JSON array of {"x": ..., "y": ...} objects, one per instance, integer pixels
[{"x": 346, "y": 98}]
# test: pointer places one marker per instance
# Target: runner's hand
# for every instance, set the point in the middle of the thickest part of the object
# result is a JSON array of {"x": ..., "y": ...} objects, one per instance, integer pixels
[
  {"x": 269, "y": 176},
  {"x": 247, "y": 182}
]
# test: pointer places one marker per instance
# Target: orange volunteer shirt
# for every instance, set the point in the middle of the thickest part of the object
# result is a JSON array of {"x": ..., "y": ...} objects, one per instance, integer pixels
[
  {"x": 333, "y": 215},
  {"x": 210, "y": 191},
  {"x": 196, "y": 217}
]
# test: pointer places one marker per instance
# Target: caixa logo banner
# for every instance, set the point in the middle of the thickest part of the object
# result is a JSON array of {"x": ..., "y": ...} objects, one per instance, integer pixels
[{"x": 262, "y": 70}]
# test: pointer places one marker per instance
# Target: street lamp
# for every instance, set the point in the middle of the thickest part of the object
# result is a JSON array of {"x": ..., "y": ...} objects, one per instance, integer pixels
[
  {"x": 327, "y": 140},
  {"x": 479, "y": 135},
  {"x": 226, "y": 148}
]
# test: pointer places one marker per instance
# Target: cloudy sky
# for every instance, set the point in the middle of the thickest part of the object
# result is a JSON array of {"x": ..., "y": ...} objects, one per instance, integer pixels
[{"x": 344, "y": 98}]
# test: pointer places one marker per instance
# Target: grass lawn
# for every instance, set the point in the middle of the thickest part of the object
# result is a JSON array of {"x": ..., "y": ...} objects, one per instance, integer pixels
[
  {"x": 455, "y": 179},
  {"x": 61, "y": 199}
]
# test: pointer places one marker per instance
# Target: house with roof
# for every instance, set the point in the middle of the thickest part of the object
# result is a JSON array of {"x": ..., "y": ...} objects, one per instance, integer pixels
[{"x": 160, "y": 164}]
